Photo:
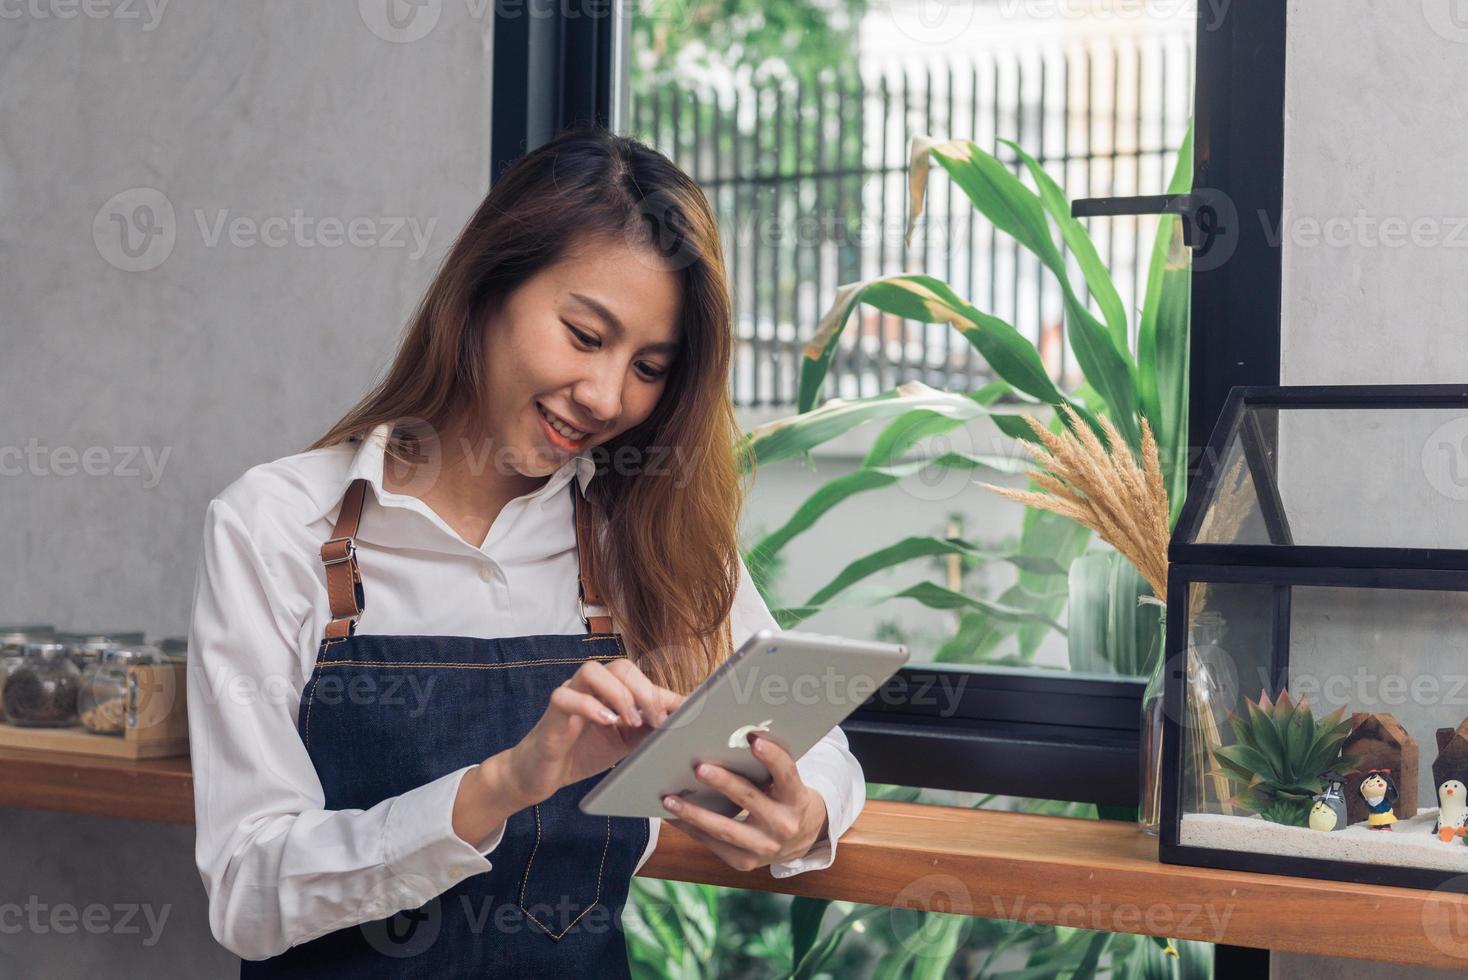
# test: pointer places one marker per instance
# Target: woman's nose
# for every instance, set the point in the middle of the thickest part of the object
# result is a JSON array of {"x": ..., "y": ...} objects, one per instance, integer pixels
[{"x": 600, "y": 396}]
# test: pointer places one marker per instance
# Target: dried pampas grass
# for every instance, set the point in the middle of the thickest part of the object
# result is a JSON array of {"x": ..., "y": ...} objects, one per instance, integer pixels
[
  {"x": 1127, "y": 506},
  {"x": 1106, "y": 491}
]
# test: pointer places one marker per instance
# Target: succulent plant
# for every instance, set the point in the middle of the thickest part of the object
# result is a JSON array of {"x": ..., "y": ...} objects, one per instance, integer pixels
[{"x": 1280, "y": 754}]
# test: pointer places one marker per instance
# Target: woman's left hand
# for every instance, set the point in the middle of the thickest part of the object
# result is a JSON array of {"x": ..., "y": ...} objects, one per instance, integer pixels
[{"x": 785, "y": 820}]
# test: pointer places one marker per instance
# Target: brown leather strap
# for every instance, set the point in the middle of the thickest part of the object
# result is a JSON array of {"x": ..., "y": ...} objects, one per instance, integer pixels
[
  {"x": 343, "y": 576},
  {"x": 596, "y": 616}
]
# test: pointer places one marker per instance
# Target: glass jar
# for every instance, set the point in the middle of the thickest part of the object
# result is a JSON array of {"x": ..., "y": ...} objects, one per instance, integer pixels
[
  {"x": 87, "y": 647},
  {"x": 1198, "y": 713},
  {"x": 12, "y": 638},
  {"x": 175, "y": 649},
  {"x": 41, "y": 689},
  {"x": 102, "y": 702},
  {"x": 1149, "y": 805}
]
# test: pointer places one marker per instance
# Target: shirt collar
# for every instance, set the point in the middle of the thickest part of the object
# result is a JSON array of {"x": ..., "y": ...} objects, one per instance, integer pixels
[{"x": 371, "y": 455}]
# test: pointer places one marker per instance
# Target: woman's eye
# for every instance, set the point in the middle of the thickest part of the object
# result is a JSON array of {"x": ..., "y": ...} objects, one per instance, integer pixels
[
  {"x": 586, "y": 339},
  {"x": 651, "y": 373}
]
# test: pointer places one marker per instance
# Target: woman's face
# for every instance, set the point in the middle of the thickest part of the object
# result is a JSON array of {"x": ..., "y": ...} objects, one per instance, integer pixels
[{"x": 590, "y": 341}]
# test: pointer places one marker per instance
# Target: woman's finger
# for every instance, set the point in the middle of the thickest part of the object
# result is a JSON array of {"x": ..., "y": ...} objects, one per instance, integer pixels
[
  {"x": 573, "y": 702},
  {"x": 786, "y": 785},
  {"x": 737, "y": 788},
  {"x": 593, "y": 676},
  {"x": 732, "y": 856},
  {"x": 732, "y": 832},
  {"x": 649, "y": 701}
]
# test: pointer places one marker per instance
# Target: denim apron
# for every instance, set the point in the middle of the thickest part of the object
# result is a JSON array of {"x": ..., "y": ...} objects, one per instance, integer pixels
[{"x": 551, "y": 904}]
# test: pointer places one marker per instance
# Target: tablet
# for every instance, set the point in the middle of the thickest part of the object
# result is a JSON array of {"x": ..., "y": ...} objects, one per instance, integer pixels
[{"x": 792, "y": 687}]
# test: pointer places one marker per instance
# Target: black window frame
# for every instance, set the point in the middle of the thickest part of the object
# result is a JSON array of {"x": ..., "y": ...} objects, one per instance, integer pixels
[{"x": 1033, "y": 733}]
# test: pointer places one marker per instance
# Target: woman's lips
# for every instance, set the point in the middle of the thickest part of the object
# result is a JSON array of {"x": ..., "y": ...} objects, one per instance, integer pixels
[{"x": 555, "y": 438}]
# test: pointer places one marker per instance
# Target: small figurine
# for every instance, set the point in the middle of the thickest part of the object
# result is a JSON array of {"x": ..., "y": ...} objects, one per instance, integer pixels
[
  {"x": 1329, "y": 809},
  {"x": 1452, "y": 812},
  {"x": 1379, "y": 741},
  {"x": 1379, "y": 792}
]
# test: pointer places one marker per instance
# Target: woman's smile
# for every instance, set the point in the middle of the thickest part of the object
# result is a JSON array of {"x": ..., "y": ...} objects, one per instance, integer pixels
[{"x": 558, "y": 432}]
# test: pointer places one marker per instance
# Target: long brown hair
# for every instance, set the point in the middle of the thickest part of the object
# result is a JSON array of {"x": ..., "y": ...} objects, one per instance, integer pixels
[{"x": 670, "y": 561}]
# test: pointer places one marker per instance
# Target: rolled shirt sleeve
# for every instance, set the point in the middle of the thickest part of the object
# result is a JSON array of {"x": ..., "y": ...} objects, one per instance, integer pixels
[{"x": 278, "y": 867}]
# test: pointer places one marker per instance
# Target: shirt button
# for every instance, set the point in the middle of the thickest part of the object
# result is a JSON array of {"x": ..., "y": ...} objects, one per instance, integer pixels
[{"x": 486, "y": 572}]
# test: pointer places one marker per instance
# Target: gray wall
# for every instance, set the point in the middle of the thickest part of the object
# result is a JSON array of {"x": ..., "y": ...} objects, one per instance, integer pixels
[
  {"x": 223, "y": 352},
  {"x": 1376, "y": 129}
]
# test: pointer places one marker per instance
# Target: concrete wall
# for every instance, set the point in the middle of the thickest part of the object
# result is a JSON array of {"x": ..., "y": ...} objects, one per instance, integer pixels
[
  {"x": 176, "y": 358},
  {"x": 1375, "y": 241}
]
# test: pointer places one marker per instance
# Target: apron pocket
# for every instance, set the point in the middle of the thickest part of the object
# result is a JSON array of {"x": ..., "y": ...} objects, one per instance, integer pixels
[{"x": 567, "y": 866}]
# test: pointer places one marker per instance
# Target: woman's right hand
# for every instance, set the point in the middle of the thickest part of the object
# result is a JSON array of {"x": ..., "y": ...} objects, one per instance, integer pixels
[{"x": 593, "y": 720}]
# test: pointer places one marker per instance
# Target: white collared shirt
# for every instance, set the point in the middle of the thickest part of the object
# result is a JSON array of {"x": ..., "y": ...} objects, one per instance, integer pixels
[{"x": 280, "y": 869}]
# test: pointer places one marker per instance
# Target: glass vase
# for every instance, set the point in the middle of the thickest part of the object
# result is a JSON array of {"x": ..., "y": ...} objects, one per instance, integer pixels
[{"x": 1149, "y": 805}]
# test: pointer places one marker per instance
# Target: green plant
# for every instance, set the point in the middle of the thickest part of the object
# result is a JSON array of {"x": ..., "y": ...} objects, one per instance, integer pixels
[
  {"x": 1151, "y": 385},
  {"x": 1279, "y": 754}
]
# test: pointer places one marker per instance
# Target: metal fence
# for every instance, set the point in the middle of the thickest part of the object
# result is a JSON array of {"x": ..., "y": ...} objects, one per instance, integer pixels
[{"x": 810, "y": 186}]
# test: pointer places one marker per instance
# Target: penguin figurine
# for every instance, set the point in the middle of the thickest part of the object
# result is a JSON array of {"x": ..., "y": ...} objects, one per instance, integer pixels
[
  {"x": 1329, "y": 809},
  {"x": 1452, "y": 808},
  {"x": 1380, "y": 794}
]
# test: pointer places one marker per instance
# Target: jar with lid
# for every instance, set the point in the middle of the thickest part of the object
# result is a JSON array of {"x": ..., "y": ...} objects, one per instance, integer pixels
[
  {"x": 41, "y": 689},
  {"x": 102, "y": 702},
  {"x": 87, "y": 646},
  {"x": 11, "y": 640},
  {"x": 175, "y": 649}
]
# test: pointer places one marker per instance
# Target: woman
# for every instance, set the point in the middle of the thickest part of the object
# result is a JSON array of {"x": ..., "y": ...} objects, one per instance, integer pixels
[{"x": 416, "y": 645}]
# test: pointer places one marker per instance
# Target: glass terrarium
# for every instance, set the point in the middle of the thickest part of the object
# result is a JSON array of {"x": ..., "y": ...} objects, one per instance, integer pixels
[{"x": 1316, "y": 702}]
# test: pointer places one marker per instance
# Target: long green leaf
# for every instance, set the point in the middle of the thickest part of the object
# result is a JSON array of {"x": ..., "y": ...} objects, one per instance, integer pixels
[
  {"x": 915, "y": 547},
  {"x": 1016, "y": 210},
  {"x": 1078, "y": 240},
  {"x": 809, "y": 965},
  {"x": 928, "y": 593},
  {"x": 1109, "y": 631},
  {"x": 927, "y": 300},
  {"x": 805, "y": 923},
  {"x": 797, "y": 434},
  {"x": 1163, "y": 337},
  {"x": 864, "y": 480},
  {"x": 934, "y": 956},
  {"x": 906, "y": 430}
]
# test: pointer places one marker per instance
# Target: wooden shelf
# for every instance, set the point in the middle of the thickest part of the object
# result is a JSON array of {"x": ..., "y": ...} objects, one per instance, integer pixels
[
  {"x": 1096, "y": 875},
  {"x": 999, "y": 865},
  {"x": 137, "y": 789}
]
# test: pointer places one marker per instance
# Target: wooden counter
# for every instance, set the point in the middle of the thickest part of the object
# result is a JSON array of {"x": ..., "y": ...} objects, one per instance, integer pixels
[{"x": 1000, "y": 865}]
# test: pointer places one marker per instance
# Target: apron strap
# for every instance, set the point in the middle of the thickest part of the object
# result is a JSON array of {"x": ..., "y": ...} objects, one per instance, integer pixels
[
  {"x": 596, "y": 615},
  {"x": 343, "y": 576}
]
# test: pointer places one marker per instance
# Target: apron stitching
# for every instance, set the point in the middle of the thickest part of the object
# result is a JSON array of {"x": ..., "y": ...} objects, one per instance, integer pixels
[
  {"x": 600, "y": 871},
  {"x": 311, "y": 700},
  {"x": 456, "y": 666}
]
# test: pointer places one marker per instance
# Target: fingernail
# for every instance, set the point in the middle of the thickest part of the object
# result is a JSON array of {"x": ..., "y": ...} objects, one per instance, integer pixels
[
  {"x": 759, "y": 745},
  {"x": 673, "y": 803},
  {"x": 702, "y": 770},
  {"x": 608, "y": 714},
  {"x": 636, "y": 716}
]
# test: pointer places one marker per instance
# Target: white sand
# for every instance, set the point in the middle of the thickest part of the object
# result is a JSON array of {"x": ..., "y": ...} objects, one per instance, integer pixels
[{"x": 1410, "y": 843}]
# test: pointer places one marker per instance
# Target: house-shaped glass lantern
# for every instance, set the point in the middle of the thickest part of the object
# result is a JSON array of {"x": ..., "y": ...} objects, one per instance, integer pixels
[{"x": 1316, "y": 672}]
